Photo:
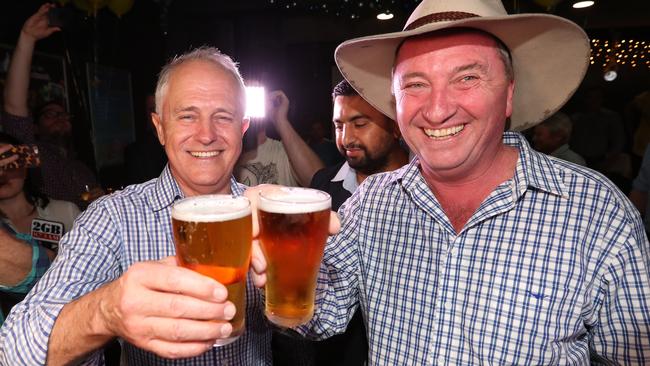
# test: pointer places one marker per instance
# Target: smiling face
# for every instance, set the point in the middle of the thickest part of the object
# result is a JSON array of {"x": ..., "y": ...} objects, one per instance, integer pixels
[
  {"x": 201, "y": 126},
  {"x": 364, "y": 135},
  {"x": 452, "y": 99}
]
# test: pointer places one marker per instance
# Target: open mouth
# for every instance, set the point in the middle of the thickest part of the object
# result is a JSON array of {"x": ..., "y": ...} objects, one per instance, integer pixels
[
  {"x": 440, "y": 133},
  {"x": 205, "y": 154}
]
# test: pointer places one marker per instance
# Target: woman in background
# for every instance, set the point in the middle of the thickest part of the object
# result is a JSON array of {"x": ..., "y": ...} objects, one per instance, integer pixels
[{"x": 24, "y": 259}]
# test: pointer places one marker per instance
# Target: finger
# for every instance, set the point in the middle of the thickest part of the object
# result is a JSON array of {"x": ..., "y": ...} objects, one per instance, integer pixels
[
  {"x": 184, "y": 330},
  {"x": 170, "y": 261},
  {"x": 252, "y": 193},
  {"x": 335, "y": 223},
  {"x": 44, "y": 8},
  {"x": 5, "y": 147},
  {"x": 258, "y": 264},
  {"x": 176, "y": 350},
  {"x": 170, "y": 305},
  {"x": 9, "y": 160},
  {"x": 166, "y": 278}
]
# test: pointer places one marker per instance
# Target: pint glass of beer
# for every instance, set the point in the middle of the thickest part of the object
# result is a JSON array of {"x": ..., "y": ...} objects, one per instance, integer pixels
[
  {"x": 213, "y": 235},
  {"x": 294, "y": 225}
]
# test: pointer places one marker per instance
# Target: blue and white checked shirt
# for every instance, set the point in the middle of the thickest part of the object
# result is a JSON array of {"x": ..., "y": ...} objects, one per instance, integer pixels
[
  {"x": 116, "y": 231},
  {"x": 552, "y": 269}
]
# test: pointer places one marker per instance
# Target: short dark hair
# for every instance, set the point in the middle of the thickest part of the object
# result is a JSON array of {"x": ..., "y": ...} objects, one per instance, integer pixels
[{"x": 343, "y": 89}]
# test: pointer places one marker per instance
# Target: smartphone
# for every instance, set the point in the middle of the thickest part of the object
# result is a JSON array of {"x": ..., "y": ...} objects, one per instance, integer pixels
[
  {"x": 58, "y": 17},
  {"x": 27, "y": 157}
]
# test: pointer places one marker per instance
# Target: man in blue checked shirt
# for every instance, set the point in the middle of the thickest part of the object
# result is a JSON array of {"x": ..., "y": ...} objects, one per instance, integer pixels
[
  {"x": 114, "y": 275},
  {"x": 482, "y": 251}
]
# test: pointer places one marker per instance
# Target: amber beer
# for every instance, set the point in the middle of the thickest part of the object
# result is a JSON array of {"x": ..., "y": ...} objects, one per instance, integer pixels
[
  {"x": 212, "y": 234},
  {"x": 294, "y": 225}
]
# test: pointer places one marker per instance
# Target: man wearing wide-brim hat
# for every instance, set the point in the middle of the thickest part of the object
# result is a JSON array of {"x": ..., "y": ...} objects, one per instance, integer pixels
[{"x": 482, "y": 250}]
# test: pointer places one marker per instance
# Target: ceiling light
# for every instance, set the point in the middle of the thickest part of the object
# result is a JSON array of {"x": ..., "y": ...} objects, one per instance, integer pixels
[
  {"x": 582, "y": 4},
  {"x": 385, "y": 16}
]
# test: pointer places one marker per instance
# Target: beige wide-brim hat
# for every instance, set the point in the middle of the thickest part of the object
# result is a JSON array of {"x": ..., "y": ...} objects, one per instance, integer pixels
[{"x": 550, "y": 55}]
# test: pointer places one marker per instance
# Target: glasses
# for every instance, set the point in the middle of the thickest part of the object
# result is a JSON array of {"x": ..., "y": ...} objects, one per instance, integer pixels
[{"x": 56, "y": 114}]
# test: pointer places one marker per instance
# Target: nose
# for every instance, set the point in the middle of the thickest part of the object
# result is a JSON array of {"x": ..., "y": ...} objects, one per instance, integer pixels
[
  {"x": 207, "y": 132},
  {"x": 440, "y": 106},
  {"x": 348, "y": 134}
]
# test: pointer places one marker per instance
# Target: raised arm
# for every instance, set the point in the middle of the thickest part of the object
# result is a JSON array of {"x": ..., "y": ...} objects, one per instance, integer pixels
[
  {"x": 304, "y": 161},
  {"x": 17, "y": 83}
]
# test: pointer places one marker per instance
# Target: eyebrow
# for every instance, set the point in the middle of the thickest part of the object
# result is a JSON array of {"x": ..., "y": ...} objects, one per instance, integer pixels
[
  {"x": 457, "y": 69},
  {"x": 472, "y": 66},
  {"x": 197, "y": 110},
  {"x": 354, "y": 118}
]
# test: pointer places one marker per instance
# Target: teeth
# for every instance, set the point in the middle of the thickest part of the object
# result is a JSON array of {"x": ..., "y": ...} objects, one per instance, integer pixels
[
  {"x": 443, "y": 132},
  {"x": 204, "y": 154}
]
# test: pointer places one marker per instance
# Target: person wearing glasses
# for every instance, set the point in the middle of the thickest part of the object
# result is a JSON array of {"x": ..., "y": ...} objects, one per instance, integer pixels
[{"x": 64, "y": 177}]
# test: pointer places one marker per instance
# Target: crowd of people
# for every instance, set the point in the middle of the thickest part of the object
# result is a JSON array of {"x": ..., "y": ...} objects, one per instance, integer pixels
[{"x": 477, "y": 221}]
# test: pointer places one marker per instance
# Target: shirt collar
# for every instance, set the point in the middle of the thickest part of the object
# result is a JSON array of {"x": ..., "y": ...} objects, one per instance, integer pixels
[
  {"x": 348, "y": 175},
  {"x": 166, "y": 190},
  {"x": 534, "y": 169}
]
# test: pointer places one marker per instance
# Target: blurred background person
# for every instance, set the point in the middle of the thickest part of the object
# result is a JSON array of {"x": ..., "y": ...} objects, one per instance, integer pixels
[
  {"x": 63, "y": 176},
  {"x": 145, "y": 158},
  {"x": 23, "y": 257},
  {"x": 288, "y": 162},
  {"x": 552, "y": 137},
  {"x": 368, "y": 141},
  {"x": 319, "y": 141},
  {"x": 599, "y": 137}
]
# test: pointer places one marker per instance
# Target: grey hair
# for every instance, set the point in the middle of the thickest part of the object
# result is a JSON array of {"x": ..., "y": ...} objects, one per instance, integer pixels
[
  {"x": 207, "y": 54},
  {"x": 559, "y": 124}
]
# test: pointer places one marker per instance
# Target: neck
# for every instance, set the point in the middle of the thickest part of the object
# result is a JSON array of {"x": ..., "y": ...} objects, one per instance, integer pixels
[
  {"x": 16, "y": 207},
  {"x": 261, "y": 136},
  {"x": 460, "y": 198},
  {"x": 397, "y": 158}
]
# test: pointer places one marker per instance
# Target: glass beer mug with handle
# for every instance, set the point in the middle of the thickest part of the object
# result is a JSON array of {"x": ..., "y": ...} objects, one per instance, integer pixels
[
  {"x": 213, "y": 236},
  {"x": 294, "y": 226}
]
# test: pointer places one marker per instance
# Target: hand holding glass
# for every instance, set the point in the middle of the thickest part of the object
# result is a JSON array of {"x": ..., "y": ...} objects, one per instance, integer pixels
[
  {"x": 212, "y": 234},
  {"x": 294, "y": 225}
]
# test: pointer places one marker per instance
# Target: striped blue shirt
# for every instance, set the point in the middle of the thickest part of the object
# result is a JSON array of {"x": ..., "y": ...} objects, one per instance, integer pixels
[
  {"x": 116, "y": 231},
  {"x": 552, "y": 269}
]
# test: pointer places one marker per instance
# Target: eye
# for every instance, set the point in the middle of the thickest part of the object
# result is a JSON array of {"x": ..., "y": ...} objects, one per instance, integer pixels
[
  {"x": 186, "y": 117},
  {"x": 468, "y": 78},
  {"x": 224, "y": 119},
  {"x": 414, "y": 85},
  {"x": 338, "y": 126},
  {"x": 360, "y": 123}
]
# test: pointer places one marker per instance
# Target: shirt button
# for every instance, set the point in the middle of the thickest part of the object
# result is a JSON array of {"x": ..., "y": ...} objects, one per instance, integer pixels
[{"x": 447, "y": 305}]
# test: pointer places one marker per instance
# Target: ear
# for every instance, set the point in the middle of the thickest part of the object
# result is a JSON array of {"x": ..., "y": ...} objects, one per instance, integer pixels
[
  {"x": 245, "y": 123},
  {"x": 160, "y": 130},
  {"x": 511, "y": 92},
  {"x": 397, "y": 134}
]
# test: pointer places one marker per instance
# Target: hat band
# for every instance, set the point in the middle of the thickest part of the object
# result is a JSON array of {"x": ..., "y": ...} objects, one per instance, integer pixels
[{"x": 439, "y": 17}]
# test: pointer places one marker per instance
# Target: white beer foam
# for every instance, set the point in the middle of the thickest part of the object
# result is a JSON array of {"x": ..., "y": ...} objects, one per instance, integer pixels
[
  {"x": 211, "y": 208},
  {"x": 294, "y": 200}
]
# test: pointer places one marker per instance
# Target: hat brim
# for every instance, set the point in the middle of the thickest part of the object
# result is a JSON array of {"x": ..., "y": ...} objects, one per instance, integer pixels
[{"x": 550, "y": 57}]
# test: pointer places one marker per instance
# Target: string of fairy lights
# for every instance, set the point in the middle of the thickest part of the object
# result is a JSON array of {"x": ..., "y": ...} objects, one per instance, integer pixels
[
  {"x": 353, "y": 9},
  {"x": 630, "y": 52}
]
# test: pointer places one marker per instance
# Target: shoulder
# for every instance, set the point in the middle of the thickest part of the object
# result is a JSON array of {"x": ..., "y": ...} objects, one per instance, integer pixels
[
  {"x": 590, "y": 190},
  {"x": 325, "y": 175},
  {"x": 133, "y": 198}
]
